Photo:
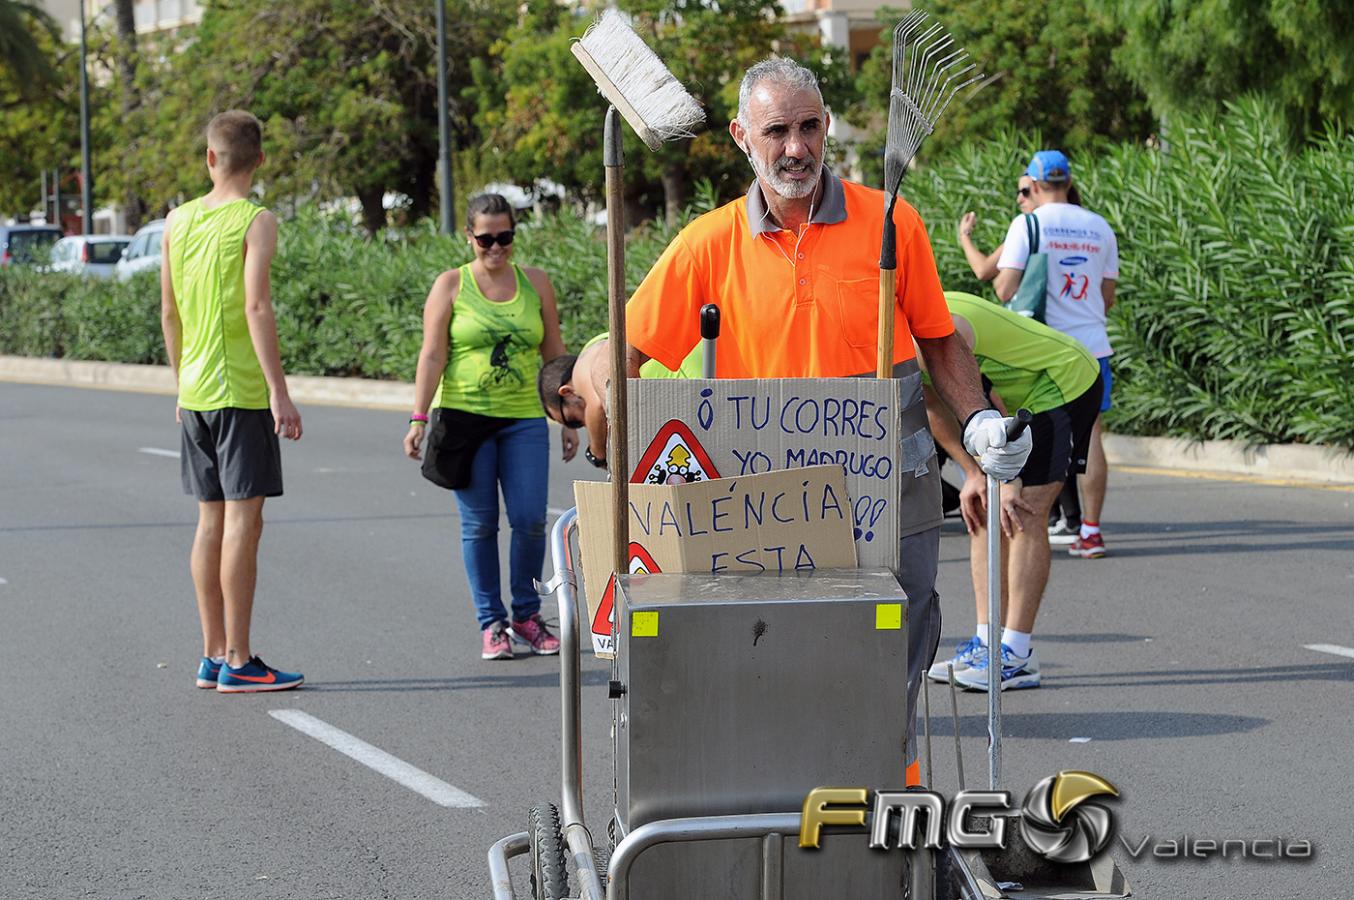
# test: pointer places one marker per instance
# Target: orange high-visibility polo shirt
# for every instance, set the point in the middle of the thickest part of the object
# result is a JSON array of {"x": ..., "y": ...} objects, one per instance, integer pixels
[{"x": 805, "y": 306}]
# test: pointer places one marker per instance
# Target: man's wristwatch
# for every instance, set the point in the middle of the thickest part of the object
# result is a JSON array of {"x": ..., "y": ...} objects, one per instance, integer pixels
[{"x": 587, "y": 454}]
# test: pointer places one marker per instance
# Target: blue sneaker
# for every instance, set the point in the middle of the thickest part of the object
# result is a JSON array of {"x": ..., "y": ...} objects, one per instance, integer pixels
[
  {"x": 256, "y": 675},
  {"x": 208, "y": 672},
  {"x": 1016, "y": 672},
  {"x": 964, "y": 655}
]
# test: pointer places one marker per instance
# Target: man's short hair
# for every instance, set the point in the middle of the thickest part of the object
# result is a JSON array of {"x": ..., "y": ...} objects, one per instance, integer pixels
[
  {"x": 553, "y": 375},
  {"x": 777, "y": 70},
  {"x": 237, "y": 138}
]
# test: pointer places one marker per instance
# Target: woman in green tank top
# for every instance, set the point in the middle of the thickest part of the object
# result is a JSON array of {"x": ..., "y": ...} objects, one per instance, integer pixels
[{"x": 486, "y": 328}]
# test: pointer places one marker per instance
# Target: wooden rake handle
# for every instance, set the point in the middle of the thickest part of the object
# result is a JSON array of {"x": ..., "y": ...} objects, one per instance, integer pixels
[{"x": 888, "y": 267}]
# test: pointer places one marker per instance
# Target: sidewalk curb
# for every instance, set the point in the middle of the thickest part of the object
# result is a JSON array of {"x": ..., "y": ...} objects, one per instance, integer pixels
[
  {"x": 1284, "y": 463},
  {"x": 362, "y": 392}
]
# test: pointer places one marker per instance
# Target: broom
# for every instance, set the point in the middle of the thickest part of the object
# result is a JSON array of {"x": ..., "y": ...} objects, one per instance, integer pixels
[
  {"x": 639, "y": 87},
  {"x": 927, "y": 74}
]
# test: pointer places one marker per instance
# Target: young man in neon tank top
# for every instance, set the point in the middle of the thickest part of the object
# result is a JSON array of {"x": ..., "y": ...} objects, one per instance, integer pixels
[{"x": 220, "y": 334}]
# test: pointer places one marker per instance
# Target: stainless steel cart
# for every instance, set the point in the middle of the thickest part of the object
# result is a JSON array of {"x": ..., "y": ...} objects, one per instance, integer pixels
[{"x": 760, "y": 689}]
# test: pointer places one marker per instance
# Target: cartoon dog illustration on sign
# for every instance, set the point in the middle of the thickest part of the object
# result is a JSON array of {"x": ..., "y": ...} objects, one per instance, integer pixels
[{"x": 674, "y": 456}]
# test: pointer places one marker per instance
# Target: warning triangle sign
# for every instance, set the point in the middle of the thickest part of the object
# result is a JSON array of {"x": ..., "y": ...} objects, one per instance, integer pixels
[
  {"x": 674, "y": 456},
  {"x": 641, "y": 563}
]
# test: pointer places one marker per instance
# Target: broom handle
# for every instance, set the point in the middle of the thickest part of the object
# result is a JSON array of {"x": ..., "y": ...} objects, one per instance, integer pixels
[
  {"x": 888, "y": 266},
  {"x": 617, "y": 458}
]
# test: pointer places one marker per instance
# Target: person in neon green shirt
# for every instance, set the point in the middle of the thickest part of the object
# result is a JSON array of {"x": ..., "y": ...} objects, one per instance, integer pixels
[
  {"x": 220, "y": 334},
  {"x": 1052, "y": 375},
  {"x": 572, "y": 389},
  {"x": 486, "y": 327}
]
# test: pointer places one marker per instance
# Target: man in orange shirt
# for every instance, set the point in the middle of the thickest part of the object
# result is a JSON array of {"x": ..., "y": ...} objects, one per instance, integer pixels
[{"x": 794, "y": 268}]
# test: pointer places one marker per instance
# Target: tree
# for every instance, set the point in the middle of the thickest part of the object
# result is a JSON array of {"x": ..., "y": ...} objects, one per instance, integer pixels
[
  {"x": 541, "y": 114},
  {"x": 1049, "y": 68},
  {"x": 39, "y": 125},
  {"x": 22, "y": 54},
  {"x": 346, "y": 89},
  {"x": 1194, "y": 56},
  {"x": 129, "y": 94}
]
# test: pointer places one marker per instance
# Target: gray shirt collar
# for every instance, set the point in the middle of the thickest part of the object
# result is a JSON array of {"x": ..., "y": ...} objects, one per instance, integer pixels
[{"x": 831, "y": 210}]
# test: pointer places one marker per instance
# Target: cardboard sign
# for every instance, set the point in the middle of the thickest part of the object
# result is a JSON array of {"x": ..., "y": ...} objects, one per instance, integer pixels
[
  {"x": 777, "y": 521},
  {"x": 873, "y": 429}
]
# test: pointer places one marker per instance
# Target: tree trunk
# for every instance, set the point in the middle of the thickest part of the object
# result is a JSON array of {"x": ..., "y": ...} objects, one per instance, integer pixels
[
  {"x": 373, "y": 208},
  {"x": 674, "y": 193},
  {"x": 134, "y": 207}
]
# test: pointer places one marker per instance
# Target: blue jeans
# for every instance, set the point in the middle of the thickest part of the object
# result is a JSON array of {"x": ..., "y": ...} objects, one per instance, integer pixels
[{"x": 518, "y": 458}]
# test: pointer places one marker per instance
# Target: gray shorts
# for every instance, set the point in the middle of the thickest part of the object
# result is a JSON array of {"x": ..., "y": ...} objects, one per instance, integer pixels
[{"x": 230, "y": 454}]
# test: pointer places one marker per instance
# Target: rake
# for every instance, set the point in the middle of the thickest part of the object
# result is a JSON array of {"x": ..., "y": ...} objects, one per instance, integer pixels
[{"x": 928, "y": 73}]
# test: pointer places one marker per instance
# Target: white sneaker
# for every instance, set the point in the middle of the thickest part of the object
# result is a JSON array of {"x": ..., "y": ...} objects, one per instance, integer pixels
[
  {"x": 1016, "y": 672},
  {"x": 1062, "y": 533},
  {"x": 964, "y": 655}
]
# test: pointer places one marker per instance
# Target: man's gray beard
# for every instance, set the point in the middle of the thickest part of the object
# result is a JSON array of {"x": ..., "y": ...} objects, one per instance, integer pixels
[{"x": 789, "y": 190}]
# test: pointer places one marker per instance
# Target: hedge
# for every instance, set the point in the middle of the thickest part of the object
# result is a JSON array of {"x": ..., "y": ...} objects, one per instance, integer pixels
[{"x": 1233, "y": 321}]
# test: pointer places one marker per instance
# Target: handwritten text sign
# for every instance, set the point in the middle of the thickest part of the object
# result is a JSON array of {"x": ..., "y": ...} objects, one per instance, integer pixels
[{"x": 781, "y": 521}]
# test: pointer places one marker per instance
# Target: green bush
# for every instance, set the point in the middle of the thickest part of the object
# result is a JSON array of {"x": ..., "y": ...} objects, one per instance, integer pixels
[
  {"x": 1236, "y": 271},
  {"x": 1234, "y": 319}
]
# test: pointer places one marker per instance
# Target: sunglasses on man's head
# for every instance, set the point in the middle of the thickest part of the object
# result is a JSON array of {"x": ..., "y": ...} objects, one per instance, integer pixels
[
  {"x": 1020, "y": 192},
  {"x": 503, "y": 239}
]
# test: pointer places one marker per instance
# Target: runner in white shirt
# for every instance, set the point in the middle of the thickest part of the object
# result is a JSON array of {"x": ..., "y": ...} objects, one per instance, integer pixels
[{"x": 1083, "y": 266}]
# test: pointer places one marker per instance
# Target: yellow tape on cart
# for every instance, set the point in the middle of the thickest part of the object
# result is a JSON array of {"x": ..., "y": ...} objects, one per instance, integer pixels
[{"x": 887, "y": 616}]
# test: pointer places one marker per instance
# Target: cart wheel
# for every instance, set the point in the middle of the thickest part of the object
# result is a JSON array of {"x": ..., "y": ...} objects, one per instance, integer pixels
[{"x": 549, "y": 869}]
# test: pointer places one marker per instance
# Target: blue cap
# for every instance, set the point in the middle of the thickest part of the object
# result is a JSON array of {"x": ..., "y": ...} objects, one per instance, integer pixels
[{"x": 1049, "y": 165}]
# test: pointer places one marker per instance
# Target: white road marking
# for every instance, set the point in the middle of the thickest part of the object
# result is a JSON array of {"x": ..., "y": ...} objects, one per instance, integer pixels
[
  {"x": 1335, "y": 649},
  {"x": 156, "y": 451},
  {"x": 417, "y": 780},
  {"x": 1079, "y": 740}
]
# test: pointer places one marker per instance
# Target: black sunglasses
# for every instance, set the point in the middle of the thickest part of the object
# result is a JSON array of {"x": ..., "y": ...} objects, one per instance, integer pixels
[
  {"x": 1020, "y": 192},
  {"x": 503, "y": 239}
]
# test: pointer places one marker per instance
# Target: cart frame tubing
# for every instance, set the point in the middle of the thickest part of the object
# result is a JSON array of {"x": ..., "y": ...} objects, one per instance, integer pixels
[{"x": 564, "y": 583}]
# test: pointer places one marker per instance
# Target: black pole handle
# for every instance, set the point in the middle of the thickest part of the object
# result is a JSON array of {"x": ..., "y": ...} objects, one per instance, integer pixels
[
  {"x": 1019, "y": 423},
  {"x": 709, "y": 322}
]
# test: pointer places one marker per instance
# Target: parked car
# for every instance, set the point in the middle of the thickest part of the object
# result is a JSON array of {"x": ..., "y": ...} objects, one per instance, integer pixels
[
  {"x": 26, "y": 244},
  {"x": 144, "y": 251},
  {"x": 89, "y": 254}
]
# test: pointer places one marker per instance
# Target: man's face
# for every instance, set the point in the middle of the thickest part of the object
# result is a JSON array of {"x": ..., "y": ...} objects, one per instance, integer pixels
[
  {"x": 571, "y": 408},
  {"x": 784, "y": 136}
]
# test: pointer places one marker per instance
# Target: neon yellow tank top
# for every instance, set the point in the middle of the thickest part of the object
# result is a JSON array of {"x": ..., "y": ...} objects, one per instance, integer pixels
[
  {"x": 1028, "y": 363},
  {"x": 494, "y": 352},
  {"x": 217, "y": 364}
]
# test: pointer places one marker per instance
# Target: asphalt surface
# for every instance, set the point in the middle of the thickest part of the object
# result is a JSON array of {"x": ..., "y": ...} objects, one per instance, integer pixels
[{"x": 1181, "y": 657}]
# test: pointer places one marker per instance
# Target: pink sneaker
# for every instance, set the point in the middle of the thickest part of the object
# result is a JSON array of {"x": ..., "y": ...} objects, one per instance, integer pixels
[
  {"x": 496, "y": 643},
  {"x": 534, "y": 633}
]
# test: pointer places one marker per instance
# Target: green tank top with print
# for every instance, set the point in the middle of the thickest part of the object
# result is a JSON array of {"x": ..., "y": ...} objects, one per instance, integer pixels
[
  {"x": 218, "y": 367},
  {"x": 494, "y": 352},
  {"x": 1028, "y": 363}
]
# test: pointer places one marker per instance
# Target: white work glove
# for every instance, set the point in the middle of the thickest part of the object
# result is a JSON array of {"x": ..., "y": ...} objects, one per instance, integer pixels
[{"x": 985, "y": 438}]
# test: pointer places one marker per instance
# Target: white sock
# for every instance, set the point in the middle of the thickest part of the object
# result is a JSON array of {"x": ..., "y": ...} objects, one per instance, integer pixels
[
  {"x": 1018, "y": 641},
  {"x": 218, "y": 660},
  {"x": 981, "y": 633},
  {"x": 1088, "y": 530}
]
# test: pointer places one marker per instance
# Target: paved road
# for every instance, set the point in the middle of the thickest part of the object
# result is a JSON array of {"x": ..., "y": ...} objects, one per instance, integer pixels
[{"x": 1181, "y": 657}]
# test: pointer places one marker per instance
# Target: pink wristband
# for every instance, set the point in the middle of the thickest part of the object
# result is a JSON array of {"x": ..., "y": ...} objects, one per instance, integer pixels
[{"x": 418, "y": 417}]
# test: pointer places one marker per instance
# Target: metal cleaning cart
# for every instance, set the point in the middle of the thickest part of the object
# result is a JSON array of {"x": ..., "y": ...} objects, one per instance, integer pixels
[{"x": 733, "y": 696}]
